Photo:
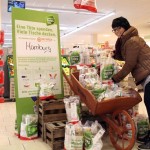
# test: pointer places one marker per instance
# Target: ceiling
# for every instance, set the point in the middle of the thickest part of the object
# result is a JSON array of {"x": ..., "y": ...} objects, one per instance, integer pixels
[{"x": 136, "y": 11}]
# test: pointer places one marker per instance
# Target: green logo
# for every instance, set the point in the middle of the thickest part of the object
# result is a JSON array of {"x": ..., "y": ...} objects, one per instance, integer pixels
[
  {"x": 74, "y": 58},
  {"x": 50, "y": 20}
]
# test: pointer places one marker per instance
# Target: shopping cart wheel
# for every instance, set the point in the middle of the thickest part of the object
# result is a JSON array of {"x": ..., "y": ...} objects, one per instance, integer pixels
[{"x": 126, "y": 139}]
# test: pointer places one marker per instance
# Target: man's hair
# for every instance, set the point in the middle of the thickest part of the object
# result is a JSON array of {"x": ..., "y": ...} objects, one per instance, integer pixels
[{"x": 121, "y": 22}]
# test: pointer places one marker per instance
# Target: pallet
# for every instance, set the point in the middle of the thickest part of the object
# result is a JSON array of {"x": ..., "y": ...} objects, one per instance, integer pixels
[
  {"x": 50, "y": 111},
  {"x": 55, "y": 134}
]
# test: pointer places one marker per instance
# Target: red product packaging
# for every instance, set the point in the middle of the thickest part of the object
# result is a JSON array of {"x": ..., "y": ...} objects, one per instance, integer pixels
[
  {"x": 89, "y": 5},
  {"x": 1, "y": 63},
  {"x": 44, "y": 98},
  {"x": 1, "y": 77},
  {"x": 2, "y": 100},
  {"x": 1, "y": 52},
  {"x": 77, "y": 3},
  {"x": 1, "y": 37},
  {"x": 1, "y": 91}
]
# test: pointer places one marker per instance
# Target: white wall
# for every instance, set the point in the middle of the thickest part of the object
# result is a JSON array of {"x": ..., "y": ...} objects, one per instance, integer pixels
[
  {"x": 68, "y": 42},
  {"x": 71, "y": 40}
]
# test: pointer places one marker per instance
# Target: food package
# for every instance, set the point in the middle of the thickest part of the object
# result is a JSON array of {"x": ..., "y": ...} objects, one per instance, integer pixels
[
  {"x": 46, "y": 91},
  {"x": 89, "y": 5},
  {"x": 108, "y": 69},
  {"x": 88, "y": 78},
  {"x": 112, "y": 91},
  {"x": 77, "y": 3},
  {"x": 93, "y": 133},
  {"x": 99, "y": 90},
  {"x": 73, "y": 108},
  {"x": 142, "y": 125},
  {"x": 73, "y": 136},
  {"x": 75, "y": 57},
  {"x": 29, "y": 129}
]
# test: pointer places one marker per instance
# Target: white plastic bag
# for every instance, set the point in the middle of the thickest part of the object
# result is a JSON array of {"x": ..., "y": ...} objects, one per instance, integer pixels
[{"x": 107, "y": 70}]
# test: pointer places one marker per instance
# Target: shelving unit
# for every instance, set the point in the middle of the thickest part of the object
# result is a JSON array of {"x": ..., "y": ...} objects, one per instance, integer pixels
[
  {"x": 11, "y": 76},
  {"x": 1, "y": 67}
]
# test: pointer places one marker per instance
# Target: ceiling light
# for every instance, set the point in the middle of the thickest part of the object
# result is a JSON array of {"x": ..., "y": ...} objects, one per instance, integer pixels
[
  {"x": 38, "y": 9},
  {"x": 88, "y": 24},
  {"x": 58, "y": 10}
]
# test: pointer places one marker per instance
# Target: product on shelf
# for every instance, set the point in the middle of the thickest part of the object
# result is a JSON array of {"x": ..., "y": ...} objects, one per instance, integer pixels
[
  {"x": 29, "y": 128},
  {"x": 1, "y": 65},
  {"x": 74, "y": 58},
  {"x": 10, "y": 65},
  {"x": 73, "y": 108},
  {"x": 65, "y": 64},
  {"x": 1, "y": 37}
]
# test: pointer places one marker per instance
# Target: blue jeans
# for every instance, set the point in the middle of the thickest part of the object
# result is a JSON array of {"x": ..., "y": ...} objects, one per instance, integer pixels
[{"x": 147, "y": 98}]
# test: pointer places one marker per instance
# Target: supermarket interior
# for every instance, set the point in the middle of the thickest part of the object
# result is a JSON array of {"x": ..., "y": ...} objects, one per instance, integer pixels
[{"x": 74, "y": 75}]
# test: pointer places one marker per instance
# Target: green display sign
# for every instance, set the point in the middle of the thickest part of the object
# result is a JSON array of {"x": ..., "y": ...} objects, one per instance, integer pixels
[
  {"x": 74, "y": 58},
  {"x": 37, "y": 58}
]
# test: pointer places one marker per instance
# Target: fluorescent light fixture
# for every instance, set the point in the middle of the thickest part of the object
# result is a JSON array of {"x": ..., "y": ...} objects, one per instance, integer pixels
[
  {"x": 59, "y": 10},
  {"x": 38, "y": 9},
  {"x": 88, "y": 24},
  {"x": 73, "y": 11}
]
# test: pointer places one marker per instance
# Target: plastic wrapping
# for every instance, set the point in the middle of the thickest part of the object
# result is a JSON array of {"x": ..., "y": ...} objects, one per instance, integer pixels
[
  {"x": 77, "y": 4},
  {"x": 46, "y": 91},
  {"x": 29, "y": 128},
  {"x": 93, "y": 133},
  {"x": 89, "y": 5},
  {"x": 73, "y": 136},
  {"x": 73, "y": 108}
]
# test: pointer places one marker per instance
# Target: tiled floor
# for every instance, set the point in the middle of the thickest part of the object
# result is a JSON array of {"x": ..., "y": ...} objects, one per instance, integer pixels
[{"x": 8, "y": 141}]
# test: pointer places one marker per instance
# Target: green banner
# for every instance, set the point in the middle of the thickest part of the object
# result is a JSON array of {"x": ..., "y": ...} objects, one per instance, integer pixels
[{"x": 37, "y": 58}]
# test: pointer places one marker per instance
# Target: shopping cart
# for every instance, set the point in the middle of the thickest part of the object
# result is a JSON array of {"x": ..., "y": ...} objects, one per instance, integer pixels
[{"x": 122, "y": 130}]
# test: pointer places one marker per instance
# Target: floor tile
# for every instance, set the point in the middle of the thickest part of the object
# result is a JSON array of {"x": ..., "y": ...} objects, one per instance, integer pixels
[
  {"x": 36, "y": 146},
  {"x": 12, "y": 147},
  {"x": 4, "y": 140},
  {"x": 8, "y": 141}
]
